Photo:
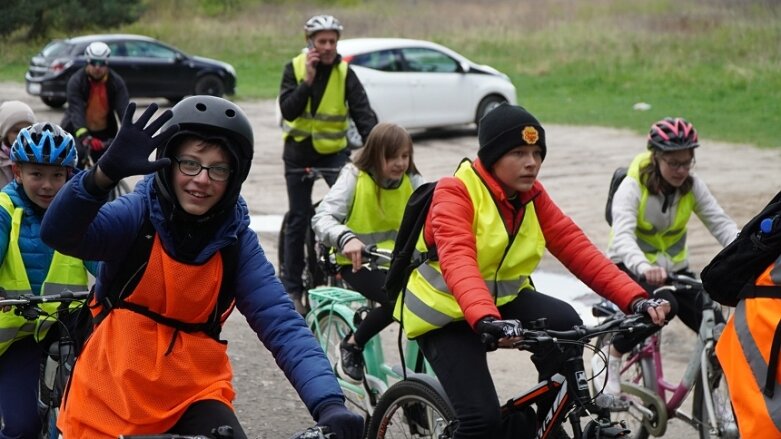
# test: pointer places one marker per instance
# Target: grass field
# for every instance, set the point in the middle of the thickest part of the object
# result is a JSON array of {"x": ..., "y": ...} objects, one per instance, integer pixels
[{"x": 715, "y": 62}]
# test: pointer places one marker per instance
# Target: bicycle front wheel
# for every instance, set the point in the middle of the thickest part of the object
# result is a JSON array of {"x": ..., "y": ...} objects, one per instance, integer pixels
[
  {"x": 638, "y": 371},
  {"x": 412, "y": 409},
  {"x": 724, "y": 416}
]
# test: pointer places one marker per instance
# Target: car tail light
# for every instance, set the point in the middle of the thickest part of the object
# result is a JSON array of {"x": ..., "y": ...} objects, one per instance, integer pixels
[
  {"x": 58, "y": 65},
  {"x": 347, "y": 58}
]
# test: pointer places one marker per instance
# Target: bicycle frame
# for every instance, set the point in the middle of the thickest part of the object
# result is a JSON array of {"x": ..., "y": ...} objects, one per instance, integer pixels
[
  {"x": 697, "y": 369},
  {"x": 342, "y": 304}
]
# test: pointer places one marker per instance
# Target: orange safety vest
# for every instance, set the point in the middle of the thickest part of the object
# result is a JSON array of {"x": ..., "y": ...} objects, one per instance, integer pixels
[
  {"x": 138, "y": 376},
  {"x": 748, "y": 351}
]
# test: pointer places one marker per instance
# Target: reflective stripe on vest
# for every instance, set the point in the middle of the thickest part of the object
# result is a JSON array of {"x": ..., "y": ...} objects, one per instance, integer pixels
[
  {"x": 65, "y": 273},
  {"x": 379, "y": 212},
  {"x": 652, "y": 242},
  {"x": 504, "y": 261},
  {"x": 328, "y": 126},
  {"x": 745, "y": 353}
]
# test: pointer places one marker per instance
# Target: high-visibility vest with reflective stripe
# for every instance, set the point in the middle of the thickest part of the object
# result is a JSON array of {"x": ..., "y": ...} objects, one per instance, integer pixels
[
  {"x": 375, "y": 214},
  {"x": 65, "y": 273},
  {"x": 327, "y": 127},
  {"x": 653, "y": 242},
  {"x": 744, "y": 351},
  {"x": 505, "y": 262}
]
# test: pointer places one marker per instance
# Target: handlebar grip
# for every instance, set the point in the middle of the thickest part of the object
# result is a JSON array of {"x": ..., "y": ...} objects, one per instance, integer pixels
[{"x": 489, "y": 341}]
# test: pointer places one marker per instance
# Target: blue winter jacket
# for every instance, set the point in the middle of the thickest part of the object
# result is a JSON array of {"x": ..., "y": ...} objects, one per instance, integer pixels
[
  {"x": 105, "y": 231},
  {"x": 36, "y": 255}
]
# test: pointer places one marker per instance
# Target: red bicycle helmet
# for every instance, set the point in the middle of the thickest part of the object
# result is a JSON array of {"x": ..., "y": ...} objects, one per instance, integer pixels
[{"x": 672, "y": 134}]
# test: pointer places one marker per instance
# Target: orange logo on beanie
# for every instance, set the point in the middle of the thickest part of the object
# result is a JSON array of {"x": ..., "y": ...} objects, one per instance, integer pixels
[{"x": 530, "y": 135}]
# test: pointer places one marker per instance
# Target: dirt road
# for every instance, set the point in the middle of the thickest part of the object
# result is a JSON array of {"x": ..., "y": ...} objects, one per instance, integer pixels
[{"x": 576, "y": 171}]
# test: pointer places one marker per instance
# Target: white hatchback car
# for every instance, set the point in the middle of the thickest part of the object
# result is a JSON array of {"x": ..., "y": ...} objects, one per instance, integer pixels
[{"x": 419, "y": 84}]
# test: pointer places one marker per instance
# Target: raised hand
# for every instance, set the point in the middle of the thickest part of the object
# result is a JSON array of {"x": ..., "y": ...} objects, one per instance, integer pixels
[{"x": 129, "y": 152}]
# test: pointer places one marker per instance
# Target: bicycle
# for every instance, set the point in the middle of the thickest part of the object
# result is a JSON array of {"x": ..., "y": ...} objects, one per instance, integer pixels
[
  {"x": 436, "y": 419},
  {"x": 312, "y": 275},
  {"x": 335, "y": 312},
  {"x": 644, "y": 388},
  {"x": 60, "y": 356}
]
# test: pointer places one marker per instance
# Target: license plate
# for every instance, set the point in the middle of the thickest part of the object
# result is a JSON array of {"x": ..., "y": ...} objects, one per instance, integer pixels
[{"x": 33, "y": 88}]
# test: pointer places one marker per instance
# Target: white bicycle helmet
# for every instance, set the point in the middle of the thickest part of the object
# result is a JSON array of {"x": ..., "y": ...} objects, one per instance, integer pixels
[
  {"x": 322, "y": 22},
  {"x": 97, "y": 51}
]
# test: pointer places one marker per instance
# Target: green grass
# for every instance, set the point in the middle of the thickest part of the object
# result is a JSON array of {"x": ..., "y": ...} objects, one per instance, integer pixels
[{"x": 715, "y": 62}]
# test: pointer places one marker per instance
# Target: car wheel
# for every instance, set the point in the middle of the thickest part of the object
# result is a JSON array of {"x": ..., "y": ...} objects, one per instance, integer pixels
[
  {"x": 53, "y": 102},
  {"x": 487, "y": 104},
  {"x": 210, "y": 85}
]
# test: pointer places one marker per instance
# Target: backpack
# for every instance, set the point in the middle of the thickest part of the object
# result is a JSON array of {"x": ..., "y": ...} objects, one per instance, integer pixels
[
  {"x": 127, "y": 278},
  {"x": 730, "y": 276},
  {"x": 618, "y": 176},
  {"x": 405, "y": 258}
]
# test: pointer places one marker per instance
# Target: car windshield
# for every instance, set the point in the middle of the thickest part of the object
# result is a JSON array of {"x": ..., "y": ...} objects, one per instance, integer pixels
[{"x": 55, "y": 49}]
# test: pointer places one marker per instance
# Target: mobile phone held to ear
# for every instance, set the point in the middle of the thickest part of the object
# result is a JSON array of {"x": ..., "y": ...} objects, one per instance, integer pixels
[{"x": 311, "y": 45}]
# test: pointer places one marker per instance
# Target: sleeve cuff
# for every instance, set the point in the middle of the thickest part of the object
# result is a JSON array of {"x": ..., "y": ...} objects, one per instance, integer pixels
[{"x": 92, "y": 188}]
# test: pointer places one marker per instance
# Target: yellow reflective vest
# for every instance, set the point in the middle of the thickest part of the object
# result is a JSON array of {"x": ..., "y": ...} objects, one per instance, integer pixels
[
  {"x": 65, "y": 273},
  {"x": 745, "y": 352},
  {"x": 653, "y": 242},
  {"x": 327, "y": 127},
  {"x": 375, "y": 214},
  {"x": 505, "y": 262}
]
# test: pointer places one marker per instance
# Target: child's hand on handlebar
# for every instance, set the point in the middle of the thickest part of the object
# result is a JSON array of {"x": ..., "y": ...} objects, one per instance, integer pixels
[
  {"x": 498, "y": 333},
  {"x": 353, "y": 249},
  {"x": 657, "y": 309},
  {"x": 655, "y": 275}
]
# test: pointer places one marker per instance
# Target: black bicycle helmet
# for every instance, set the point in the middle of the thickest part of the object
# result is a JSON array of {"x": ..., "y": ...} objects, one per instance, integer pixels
[
  {"x": 672, "y": 134},
  {"x": 210, "y": 117},
  {"x": 44, "y": 144}
]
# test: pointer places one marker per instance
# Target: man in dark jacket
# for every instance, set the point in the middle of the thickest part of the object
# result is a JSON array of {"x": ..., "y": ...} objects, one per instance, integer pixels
[
  {"x": 318, "y": 96},
  {"x": 97, "y": 98}
]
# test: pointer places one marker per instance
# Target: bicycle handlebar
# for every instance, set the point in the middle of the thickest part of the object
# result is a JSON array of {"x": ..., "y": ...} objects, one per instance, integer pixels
[
  {"x": 314, "y": 433},
  {"x": 67, "y": 296},
  {"x": 313, "y": 173},
  {"x": 579, "y": 333}
]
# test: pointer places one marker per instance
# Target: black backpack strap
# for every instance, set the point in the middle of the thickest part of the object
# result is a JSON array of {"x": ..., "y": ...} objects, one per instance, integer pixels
[
  {"x": 227, "y": 296},
  {"x": 130, "y": 272}
]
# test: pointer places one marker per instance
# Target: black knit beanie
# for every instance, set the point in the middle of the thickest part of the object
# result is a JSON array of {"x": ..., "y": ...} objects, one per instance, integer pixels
[{"x": 504, "y": 128}]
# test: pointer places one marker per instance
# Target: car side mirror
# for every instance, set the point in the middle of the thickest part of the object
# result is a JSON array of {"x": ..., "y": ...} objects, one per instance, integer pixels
[
  {"x": 465, "y": 67},
  {"x": 179, "y": 57}
]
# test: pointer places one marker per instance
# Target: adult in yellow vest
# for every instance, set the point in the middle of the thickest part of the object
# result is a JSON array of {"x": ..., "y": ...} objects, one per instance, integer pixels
[
  {"x": 491, "y": 224},
  {"x": 651, "y": 212},
  {"x": 318, "y": 93},
  {"x": 43, "y": 156},
  {"x": 748, "y": 352},
  {"x": 365, "y": 207}
]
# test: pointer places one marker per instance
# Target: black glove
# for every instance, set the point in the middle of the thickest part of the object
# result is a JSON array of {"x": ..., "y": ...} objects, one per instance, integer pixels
[
  {"x": 641, "y": 306},
  {"x": 342, "y": 422},
  {"x": 491, "y": 330},
  {"x": 129, "y": 152}
]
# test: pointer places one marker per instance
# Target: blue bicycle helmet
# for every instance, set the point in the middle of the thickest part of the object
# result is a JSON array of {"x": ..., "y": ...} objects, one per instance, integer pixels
[{"x": 45, "y": 144}]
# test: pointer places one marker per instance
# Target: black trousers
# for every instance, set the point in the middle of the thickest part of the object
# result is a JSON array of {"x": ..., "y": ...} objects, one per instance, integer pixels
[
  {"x": 459, "y": 360},
  {"x": 203, "y": 416},
  {"x": 299, "y": 195},
  {"x": 369, "y": 283}
]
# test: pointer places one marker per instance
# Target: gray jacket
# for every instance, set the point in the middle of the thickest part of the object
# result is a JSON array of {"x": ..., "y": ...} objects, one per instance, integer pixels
[{"x": 333, "y": 210}]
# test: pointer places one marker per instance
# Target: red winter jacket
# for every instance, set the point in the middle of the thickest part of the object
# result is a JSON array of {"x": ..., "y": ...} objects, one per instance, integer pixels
[{"x": 449, "y": 227}]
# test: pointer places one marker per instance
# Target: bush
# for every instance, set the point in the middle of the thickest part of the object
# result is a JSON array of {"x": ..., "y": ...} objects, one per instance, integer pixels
[{"x": 40, "y": 17}]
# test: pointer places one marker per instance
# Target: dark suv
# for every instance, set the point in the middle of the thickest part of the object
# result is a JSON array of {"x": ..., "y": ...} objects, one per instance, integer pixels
[{"x": 149, "y": 68}]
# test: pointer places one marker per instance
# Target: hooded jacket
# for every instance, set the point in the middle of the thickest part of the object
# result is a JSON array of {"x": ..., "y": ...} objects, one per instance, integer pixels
[
  {"x": 106, "y": 231},
  {"x": 449, "y": 227}
]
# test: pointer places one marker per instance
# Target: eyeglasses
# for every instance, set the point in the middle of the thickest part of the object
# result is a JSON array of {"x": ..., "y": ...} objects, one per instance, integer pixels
[
  {"x": 98, "y": 62},
  {"x": 192, "y": 168},
  {"x": 675, "y": 164}
]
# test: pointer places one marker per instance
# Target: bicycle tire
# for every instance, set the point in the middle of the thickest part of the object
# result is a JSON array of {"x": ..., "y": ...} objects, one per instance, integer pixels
[
  {"x": 642, "y": 373},
  {"x": 725, "y": 414},
  {"x": 412, "y": 409}
]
